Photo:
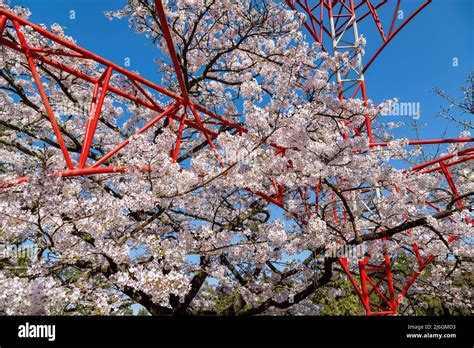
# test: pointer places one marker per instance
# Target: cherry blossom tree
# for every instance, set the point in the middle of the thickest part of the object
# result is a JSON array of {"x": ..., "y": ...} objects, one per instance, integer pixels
[{"x": 192, "y": 236}]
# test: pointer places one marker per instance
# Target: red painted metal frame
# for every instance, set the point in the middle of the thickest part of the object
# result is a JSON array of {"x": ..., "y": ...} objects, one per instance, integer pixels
[
  {"x": 321, "y": 13},
  {"x": 103, "y": 84},
  {"x": 317, "y": 26}
]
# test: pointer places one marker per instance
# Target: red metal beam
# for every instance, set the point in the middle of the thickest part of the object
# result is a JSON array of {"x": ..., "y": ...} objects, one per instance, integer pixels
[
  {"x": 171, "y": 49},
  {"x": 44, "y": 97}
]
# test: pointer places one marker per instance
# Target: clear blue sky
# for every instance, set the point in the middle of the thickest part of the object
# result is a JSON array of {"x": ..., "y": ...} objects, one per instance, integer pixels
[{"x": 417, "y": 60}]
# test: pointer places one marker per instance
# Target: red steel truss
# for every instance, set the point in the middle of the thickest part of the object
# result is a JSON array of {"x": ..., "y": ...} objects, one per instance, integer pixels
[
  {"x": 175, "y": 106},
  {"x": 332, "y": 23}
]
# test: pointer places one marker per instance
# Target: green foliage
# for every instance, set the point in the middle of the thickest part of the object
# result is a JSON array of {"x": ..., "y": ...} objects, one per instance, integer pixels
[
  {"x": 348, "y": 303},
  {"x": 433, "y": 305}
]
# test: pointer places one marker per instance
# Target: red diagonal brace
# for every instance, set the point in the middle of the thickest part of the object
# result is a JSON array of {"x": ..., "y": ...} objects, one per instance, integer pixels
[
  {"x": 43, "y": 95},
  {"x": 3, "y": 21},
  {"x": 169, "y": 110},
  {"x": 92, "y": 121},
  {"x": 172, "y": 51}
]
